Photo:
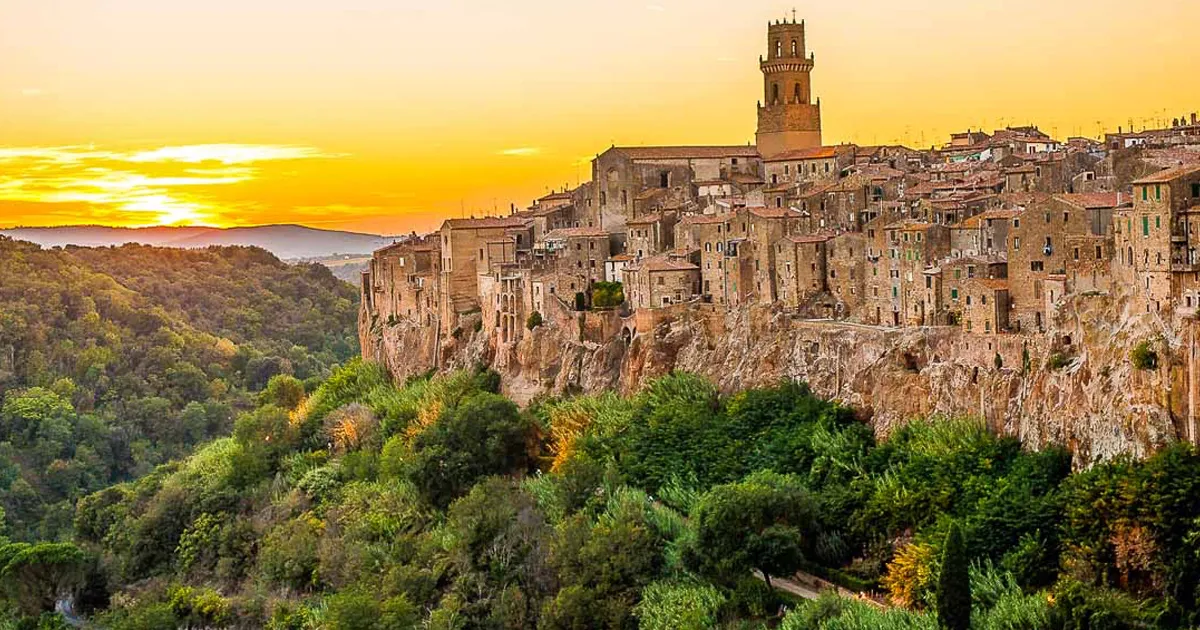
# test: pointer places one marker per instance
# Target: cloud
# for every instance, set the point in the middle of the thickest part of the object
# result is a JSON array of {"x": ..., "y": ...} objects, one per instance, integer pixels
[
  {"x": 520, "y": 152},
  {"x": 163, "y": 185},
  {"x": 32, "y": 92}
]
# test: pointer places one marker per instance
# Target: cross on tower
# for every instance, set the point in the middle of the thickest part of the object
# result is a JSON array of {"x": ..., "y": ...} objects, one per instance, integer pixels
[{"x": 793, "y": 15}]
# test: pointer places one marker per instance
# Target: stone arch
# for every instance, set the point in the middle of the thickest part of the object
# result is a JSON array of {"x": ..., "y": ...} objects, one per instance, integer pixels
[{"x": 627, "y": 333}]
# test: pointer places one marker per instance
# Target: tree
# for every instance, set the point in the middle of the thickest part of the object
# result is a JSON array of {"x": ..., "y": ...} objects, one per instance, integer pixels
[
  {"x": 535, "y": 320},
  {"x": 36, "y": 576},
  {"x": 483, "y": 436},
  {"x": 954, "y": 584},
  {"x": 765, "y": 522},
  {"x": 284, "y": 391}
]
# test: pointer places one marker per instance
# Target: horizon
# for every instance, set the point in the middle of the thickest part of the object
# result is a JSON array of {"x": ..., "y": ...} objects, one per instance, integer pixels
[{"x": 337, "y": 118}]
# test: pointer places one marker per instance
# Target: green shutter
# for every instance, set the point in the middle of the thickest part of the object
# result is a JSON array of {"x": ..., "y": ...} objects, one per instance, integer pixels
[{"x": 1145, "y": 226}]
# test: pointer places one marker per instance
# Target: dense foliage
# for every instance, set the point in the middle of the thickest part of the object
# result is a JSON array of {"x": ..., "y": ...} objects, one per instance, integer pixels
[
  {"x": 114, "y": 361},
  {"x": 438, "y": 504}
]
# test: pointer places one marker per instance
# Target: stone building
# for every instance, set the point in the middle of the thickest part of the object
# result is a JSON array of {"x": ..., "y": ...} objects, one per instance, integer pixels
[
  {"x": 650, "y": 234},
  {"x": 800, "y": 268},
  {"x": 577, "y": 256},
  {"x": 622, "y": 174},
  {"x": 660, "y": 281},
  {"x": 788, "y": 119},
  {"x": 463, "y": 258},
  {"x": 1157, "y": 239}
]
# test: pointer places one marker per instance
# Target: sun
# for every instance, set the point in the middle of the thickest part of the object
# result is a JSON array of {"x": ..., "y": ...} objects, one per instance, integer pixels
[{"x": 167, "y": 210}]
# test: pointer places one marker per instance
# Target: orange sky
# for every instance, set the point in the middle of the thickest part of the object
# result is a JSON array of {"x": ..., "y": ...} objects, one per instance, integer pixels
[{"x": 387, "y": 115}]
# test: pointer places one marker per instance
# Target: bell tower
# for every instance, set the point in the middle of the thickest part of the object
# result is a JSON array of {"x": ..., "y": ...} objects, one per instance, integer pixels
[{"x": 787, "y": 117}]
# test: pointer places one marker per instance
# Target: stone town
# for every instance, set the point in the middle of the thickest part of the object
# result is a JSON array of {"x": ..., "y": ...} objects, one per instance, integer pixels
[{"x": 989, "y": 233}]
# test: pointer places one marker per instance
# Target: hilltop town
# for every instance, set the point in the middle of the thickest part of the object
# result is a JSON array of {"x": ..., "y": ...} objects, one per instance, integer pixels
[{"x": 987, "y": 243}]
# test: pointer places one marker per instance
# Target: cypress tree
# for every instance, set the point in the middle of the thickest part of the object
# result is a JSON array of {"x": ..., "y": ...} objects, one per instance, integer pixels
[{"x": 954, "y": 584}]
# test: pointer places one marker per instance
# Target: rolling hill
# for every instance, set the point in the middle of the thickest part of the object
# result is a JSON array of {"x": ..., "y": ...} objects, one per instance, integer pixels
[{"x": 288, "y": 242}]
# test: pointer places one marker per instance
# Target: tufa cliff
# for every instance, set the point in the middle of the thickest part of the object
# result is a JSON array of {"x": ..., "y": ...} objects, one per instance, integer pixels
[{"x": 1074, "y": 385}]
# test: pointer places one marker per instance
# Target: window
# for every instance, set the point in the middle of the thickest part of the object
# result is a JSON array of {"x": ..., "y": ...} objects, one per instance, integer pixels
[
  {"x": 1099, "y": 252},
  {"x": 794, "y": 48},
  {"x": 983, "y": 300},
  {"x": 660, "y": 280},
  {"x": 1195, "y": 191},
  {"x": 895, "y": 291},
  {"x": 1145, "y": 226},
  {"x": 664, "y": 179},
  {"x": 1145, "y": 193},
  {"x": 1158, "y": 192},
  {"x": 1037, "y": 265},
  {"x": 954, "y": 294},
  {"x": 1076, "y": 253},
  {"x": 778, "y": 48},
  {"x": 1017, "y": 242},
  {"x": 1158, "y": 223},
  {"x": 968, "y": 300},
  {"x": 1066, "y": 217},
  {"x": 1016, "y": 223},
  {"x": 928, "y": 282}
]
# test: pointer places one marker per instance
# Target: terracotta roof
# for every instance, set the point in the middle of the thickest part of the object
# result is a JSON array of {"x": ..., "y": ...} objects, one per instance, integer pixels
[
  {"x": 666, "y": 263},
  {"x": 692, "y": 152},
  {"x": 807, "y": 239},
  {"x": 704, "y": 219},
  {"x": 812, "y": 153},
  {"x": 621, "y": 258},
  {"x": 995, "y": 284},
  {"x": 743, "y": 178},
  {"x": 775, "y": 213},
  {"x": 578, "y": 232},
  {"x": 1163, "y": 177},
  {"x": 555, "y": 196},
  {"x": 647, "y": 219},
  {"x": 483, "y": 223},
  {"x": 1092, "y": 200}
]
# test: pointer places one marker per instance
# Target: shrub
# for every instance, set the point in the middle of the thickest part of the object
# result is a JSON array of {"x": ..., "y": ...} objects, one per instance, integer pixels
[
  {"x": 1144, "y": 357},
  {"x": 535, "y": 320},
  {"x": 607, "y": 295},
  {"x": 1058, "y": 361}
]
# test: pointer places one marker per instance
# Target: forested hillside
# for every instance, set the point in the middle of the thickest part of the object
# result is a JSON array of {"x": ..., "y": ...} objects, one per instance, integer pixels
[
  {"x": 116, "y": 360},
  {"x": 439, "y": 504}
]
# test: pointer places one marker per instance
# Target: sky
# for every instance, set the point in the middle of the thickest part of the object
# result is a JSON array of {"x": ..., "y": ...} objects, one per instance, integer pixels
[{"x": 387, "y": 116}]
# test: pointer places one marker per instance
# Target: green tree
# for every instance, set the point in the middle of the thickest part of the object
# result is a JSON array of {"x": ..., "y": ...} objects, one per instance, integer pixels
[
  {"x": 284, "y": 391},
  {"x": 954, "y": 583},
  {"x": 36, "y": 576},
  {"x": 764, "y": 522},
  {"x": 485, "y": 435}
]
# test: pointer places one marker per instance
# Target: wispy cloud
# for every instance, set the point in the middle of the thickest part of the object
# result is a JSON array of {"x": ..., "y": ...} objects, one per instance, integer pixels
[
  {"x": 163, "y": 185},
  {"x": 32, "y": 92},
  {"x": 521, "y": 152}
]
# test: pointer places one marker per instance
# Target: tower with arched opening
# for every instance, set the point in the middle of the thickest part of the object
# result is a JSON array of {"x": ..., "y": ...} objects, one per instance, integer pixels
[{"x": 788, "y": 117}]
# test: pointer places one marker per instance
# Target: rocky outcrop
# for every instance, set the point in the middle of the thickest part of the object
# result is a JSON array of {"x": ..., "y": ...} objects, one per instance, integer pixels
[{"x": 1092, "y": 399}]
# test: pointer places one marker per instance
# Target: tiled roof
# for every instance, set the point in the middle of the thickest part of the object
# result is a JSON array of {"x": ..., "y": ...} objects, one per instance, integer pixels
[
  {"x": 482, "y": 223},
  {"x": 808, "y": 239},
  {"x": 1166, "y": 176},
  {"x": 578, "y": 232},
  {"x": 775, "y": 213},
  {"x": 684, "y": 153},
  {"x": 1092, "y": 200},
  {"x": 812, "y": 153}
]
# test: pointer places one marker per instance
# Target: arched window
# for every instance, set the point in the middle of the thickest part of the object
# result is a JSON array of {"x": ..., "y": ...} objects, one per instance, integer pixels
[
  {"x": 778, "y": 48},
  {"x": 774, "y": 93},
  {"x": 793, "y": 48},
  {"x": 796, "y": 93}
]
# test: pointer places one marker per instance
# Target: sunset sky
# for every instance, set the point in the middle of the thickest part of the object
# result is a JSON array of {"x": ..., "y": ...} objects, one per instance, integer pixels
[{"x": 388, "y": 115}]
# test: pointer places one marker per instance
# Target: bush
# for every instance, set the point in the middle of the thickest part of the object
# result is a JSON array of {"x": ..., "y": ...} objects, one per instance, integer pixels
[
  {"x": 535, "y": 320},
  {"x": 1143, "y": 356},
  {"x": 1058, "y": 361},
  {"x": 607, "y": 295}
]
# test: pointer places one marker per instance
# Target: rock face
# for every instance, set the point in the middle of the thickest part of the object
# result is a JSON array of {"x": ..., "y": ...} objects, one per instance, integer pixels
[{"x": 1095, "y": 402}]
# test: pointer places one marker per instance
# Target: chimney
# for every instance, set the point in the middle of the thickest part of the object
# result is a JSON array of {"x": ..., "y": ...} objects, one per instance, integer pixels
[{"x": 1194, "y": 118}]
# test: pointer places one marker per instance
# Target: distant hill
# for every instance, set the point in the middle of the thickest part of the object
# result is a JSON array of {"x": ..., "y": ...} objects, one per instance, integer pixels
[{"x": 288, "y": 242}]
